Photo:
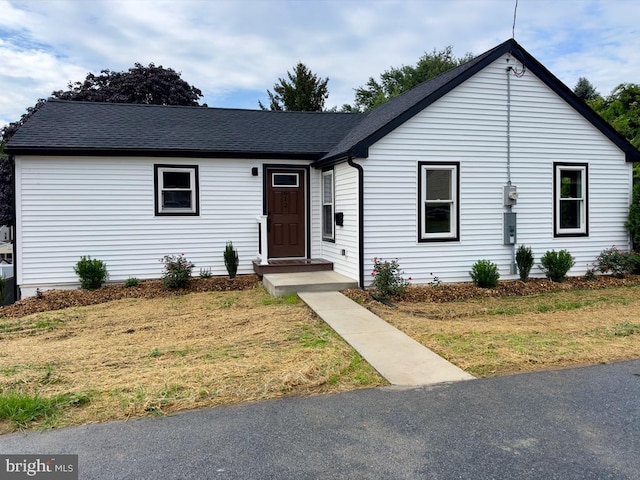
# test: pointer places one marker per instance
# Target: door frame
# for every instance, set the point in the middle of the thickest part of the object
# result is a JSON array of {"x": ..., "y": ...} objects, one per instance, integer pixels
[{"x": 307, "y": 197}]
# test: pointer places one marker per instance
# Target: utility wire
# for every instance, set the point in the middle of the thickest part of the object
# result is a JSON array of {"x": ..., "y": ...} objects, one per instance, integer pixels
[{"x": 513, "y": 29}]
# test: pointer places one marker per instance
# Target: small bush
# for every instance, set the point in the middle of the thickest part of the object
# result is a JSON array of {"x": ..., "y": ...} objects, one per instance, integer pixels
[
  {"x": 131, "y": 282},
  {"x": 524, "y": 260},
  {"x": 484, "y": 274},
  {"x": 387, "y": 278},
  {"x": 612, "y": 260},
  {"x": 3, "y": 289},
  {"x": 205, "y": 273},
  {"x": 555, "y": 265},
  {"x": 177, "y": 271},
  {"x": 231, "y": 259},
  {"x": 91, "y": 272},
  {"x": 634, "y": 263}
]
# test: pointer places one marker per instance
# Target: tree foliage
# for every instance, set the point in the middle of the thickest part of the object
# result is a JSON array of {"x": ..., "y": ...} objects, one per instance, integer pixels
[
  {"x": 302, "y": 92},
  {"x": 622, "y": 110},
  {"x": 149, "y": 85},
  {"x": 6, "y": 189},
  {"x": 395, "y": 81},
  {"x": 585, "y": 90}
]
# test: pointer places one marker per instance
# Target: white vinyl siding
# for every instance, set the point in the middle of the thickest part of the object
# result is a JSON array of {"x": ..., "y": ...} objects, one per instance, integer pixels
[
  {"x": 344, "y": 250},
  {"x": 469, "y": 126},
  {"x": 104, "y": 207}
]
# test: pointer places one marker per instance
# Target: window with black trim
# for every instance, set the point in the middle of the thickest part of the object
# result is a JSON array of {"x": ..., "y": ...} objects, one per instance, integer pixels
[
  {"x": 438, "y": 199},
  {"x": 571, "y": 199},
  {"x": 176, "y": 191},
  {"x": 327, "y": 206}
]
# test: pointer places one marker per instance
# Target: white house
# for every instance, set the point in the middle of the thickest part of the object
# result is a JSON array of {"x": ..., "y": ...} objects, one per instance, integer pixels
[{"x": 490, "y": 155}]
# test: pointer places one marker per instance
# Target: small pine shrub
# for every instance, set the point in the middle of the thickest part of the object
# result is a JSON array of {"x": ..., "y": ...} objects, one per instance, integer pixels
[
  {"x": 524, "y": 260},
  {"x": 612, "y": 260},
  {"x": 131, "y": 282},
  {"x": 91, "y": 272},
  {"x": 484, "y": 274},
  {"x": 177, "y": 271},
  {"x": 231, "y": 260},
  {"x": 387, "y": 278},
  {"x": 555, "y": 265}
]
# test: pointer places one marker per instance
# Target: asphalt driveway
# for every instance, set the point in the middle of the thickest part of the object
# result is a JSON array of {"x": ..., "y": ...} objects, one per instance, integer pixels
[{"x": 572, "y": 424}]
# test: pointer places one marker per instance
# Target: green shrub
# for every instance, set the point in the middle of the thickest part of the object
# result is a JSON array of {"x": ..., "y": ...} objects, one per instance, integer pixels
[
  {"x": 205, "y": 273},
  {"x": 555, "y": 265},
  {"x": 524, "y": 260},
  {"x": 612, "y": 260},
  {"x": 231, "y": 259},
  {"x": 131, "y": 282},
  {"x": 634, "y": 263},
  {"x": 484, "y": 274},
  {"x": 177, "y": 271},
  {"x": 387, "y": 278},
  {"x": 633, "y": 219},
  {"x": 91, "y": 272}
]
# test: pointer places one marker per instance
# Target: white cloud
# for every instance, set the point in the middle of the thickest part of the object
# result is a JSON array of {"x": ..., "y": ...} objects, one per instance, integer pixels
[{"x": 234, "y": 50}]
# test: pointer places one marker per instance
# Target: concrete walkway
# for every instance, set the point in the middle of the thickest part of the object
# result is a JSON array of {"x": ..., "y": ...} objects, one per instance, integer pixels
[{"x": 395, "y": 355}]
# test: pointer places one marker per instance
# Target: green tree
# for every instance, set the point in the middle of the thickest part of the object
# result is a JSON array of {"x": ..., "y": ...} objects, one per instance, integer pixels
[
  {"x": 622, "y": 110},
  {"x": 585, "y": 90},
  {"x": 6, "y": 189},
  {"x": 395, "y": 81},
  {"x": 302, "y": 92}
]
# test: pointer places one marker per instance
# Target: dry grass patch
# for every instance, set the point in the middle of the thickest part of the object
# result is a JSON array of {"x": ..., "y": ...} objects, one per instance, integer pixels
[
  {"x": 136, "y": 357},
  {"x": 493, "y": 336}
]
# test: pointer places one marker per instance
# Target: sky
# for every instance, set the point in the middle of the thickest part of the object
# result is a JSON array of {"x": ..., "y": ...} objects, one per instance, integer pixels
[{"x": 234, "y": 50}]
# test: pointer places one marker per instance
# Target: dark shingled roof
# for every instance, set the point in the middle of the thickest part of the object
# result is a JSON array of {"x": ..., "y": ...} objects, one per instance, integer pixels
[
  {"x": 122, "y": 129},
  {"x": 132, "y": 129}
]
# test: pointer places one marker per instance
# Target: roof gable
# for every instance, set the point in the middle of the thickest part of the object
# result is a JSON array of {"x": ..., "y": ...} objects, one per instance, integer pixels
[{"x": 393, "y": 113}]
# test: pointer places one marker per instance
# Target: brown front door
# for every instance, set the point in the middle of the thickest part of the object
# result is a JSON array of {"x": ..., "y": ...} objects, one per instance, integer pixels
[{"x": 286, "y": 212}]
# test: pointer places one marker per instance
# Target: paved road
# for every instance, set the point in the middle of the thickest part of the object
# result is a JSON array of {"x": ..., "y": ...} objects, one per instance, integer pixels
[{"x": 573, "y": 424}]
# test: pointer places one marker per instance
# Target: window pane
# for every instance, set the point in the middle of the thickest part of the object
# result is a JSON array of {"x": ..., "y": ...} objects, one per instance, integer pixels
[
  {"x": 437, "y": 217},
  {"x": 327, "y": 221},
  {"x": 176, "y": 180},
  {"x": 285, "y": 179},
  {"x": 571, "y": 184},
  {"x": 439, "y": 184},
  {"x": 179, "y": 199},
  {"x": 327, "y": 189},
  {"x": 570, "y": 213}
]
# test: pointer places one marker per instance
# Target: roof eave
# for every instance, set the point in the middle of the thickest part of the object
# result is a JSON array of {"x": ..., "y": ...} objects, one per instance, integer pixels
[{"x": 135, "y": 152}]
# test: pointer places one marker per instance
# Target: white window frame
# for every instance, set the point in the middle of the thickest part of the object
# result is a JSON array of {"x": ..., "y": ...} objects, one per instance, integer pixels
[
  {"x": 452, "y": 234},
  {"x": 582, "y": 229},
  {"x": 276, "y": 174},
  {"x": 327, "y": 176},
  {"x": 192, "y": 170}
]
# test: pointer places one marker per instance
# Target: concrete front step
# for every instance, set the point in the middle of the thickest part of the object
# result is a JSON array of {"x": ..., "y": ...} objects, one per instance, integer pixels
[{"x": 326, "y": 281}]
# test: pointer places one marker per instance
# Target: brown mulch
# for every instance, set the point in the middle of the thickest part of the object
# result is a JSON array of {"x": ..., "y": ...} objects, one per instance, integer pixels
[
  {"x": 59, "y": 299},
  {"x": 452, "y": 292}
]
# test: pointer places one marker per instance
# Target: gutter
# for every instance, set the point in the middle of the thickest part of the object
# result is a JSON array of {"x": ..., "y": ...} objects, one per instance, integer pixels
[{"x": 360, "y": 219}]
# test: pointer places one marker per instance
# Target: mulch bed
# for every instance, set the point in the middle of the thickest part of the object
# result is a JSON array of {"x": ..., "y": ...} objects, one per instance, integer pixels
[
  {"x": 450, "y": 292},
  {"x": 59, "y": 299}
]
